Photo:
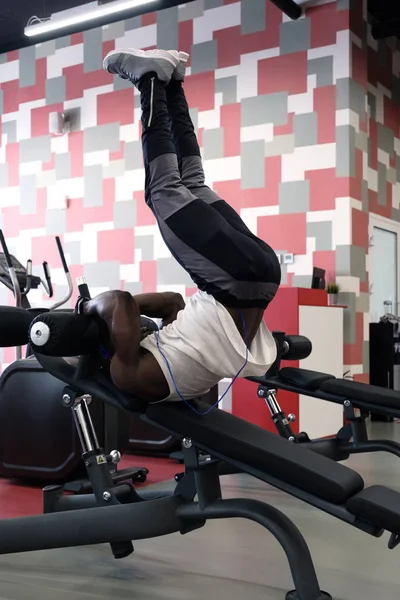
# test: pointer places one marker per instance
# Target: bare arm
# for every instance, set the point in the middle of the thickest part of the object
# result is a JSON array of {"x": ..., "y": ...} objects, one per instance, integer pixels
[
  {"x": 165, "y": 306},
  {"x": 130, "y": 371}
]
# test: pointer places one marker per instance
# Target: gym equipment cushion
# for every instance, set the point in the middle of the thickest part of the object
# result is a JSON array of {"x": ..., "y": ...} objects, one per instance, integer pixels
[
  {"x": 362, "y": 392},
  {"x": 227, "y": 437},
  {"x": 378, "y": 505}
]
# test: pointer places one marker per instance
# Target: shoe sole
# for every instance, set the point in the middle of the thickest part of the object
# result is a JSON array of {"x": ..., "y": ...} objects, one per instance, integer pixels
[{"x": 158, "y": 60}]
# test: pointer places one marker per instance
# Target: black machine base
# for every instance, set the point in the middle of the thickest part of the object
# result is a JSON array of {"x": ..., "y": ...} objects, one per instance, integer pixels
[
  {"x": 293, "y": 595},
  {"x": 83, "y": 486}
]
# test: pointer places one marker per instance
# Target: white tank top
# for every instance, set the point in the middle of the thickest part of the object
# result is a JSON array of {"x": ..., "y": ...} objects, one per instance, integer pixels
[{"x": 204, "y": 346}]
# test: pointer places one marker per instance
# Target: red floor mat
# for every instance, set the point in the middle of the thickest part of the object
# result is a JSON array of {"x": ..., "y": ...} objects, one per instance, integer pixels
[{"x": 18, "y": 500}]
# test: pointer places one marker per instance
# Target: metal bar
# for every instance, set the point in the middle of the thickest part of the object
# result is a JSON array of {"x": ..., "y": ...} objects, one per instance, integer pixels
[
  {"x": 373, "y": 446},
  {"x": 83, "y": 430},
  {"x": 106, "y": 524},
  {"x": 281, "y": 527},
  {"x": 289, "y": 7},
  {"x": 88, "y": 420}
]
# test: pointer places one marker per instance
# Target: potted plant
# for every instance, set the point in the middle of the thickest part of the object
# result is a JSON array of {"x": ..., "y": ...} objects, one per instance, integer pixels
[{"x": 333, "y": 290}]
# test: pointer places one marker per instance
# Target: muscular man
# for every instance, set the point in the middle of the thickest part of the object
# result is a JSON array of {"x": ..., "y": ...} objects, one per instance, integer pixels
[{"x": 220, "y": 332}]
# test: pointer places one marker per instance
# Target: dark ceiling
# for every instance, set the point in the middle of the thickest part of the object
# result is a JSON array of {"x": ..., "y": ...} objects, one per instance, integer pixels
[{"x": 14, "y": 15}]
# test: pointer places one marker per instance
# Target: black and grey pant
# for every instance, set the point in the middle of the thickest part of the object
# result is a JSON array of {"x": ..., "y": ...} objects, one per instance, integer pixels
[{"x": 204, "y": 234}]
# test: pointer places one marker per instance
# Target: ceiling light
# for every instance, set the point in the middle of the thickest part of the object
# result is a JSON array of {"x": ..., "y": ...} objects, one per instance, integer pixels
[{"x": 83, "y": 14}]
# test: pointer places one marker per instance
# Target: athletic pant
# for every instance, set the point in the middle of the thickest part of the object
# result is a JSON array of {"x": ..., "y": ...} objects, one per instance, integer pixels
[{"x": 204, "y": 234}]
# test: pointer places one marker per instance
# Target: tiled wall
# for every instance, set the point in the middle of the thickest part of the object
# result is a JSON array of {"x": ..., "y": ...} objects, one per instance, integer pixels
[
  {"x": 372, "y": 120},
  {"x": 271, "y": 99}
]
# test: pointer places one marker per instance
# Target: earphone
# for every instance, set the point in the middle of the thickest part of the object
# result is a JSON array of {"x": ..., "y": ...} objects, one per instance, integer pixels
[{"x": 157, "y": 336}]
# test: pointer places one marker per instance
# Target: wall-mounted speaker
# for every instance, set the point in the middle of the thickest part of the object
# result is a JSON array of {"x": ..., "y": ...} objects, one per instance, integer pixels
[{"x": 58, "y": 123}]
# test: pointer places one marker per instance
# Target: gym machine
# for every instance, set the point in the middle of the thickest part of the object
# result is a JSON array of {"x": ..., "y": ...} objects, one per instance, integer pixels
[
  {"x": 118, "y": 514},
  {"x": 37, "y": 442}
]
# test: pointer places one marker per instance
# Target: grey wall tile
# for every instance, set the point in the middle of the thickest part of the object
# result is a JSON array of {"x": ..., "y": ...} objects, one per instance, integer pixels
[
  {"x": 92, "y": 50},
  {"x": 133, "y": 155},
  {"x": 113, "y": 31},
  {"x": 253, "y": 16},
  {"x": 350, "y": 260},
  {"x": 295, "y": 36},
  {"x": 63, "y": 42},
  {"x": 167, "y": 28},
  {"x": 323, "y": 69},
  {"x": 213, "y": 143},
  {"x": 294, "y": 196},
  {"x": 169, "y": 272},
  {"x": 55, "y": 90},
  {"x": 385, "y": 139},
  {"x": 27, "y": 67},
  {"x": 345, "y": 151},
  {"x": 133, "y": 287},
  {"x": 228, "y": 87},
  {"x": 382, "y": 181},
  {"x": 102, "y": 137},
  {"x": 73, "y": 250},
  {"x": 322, "y": 232},
  {"x": 56, "y": 221},
  {"x": 191, "y": 10},
  {"x": 305, "y": 129},
  {"x": 252, "y": 165},
  {"x": 9, "y": 128},
  {"x": 204, "y": 57},
  {"x": 33, "y": 149},
  {"x": 133, "y": 23},
  {"x": 27, "y": 184},
  {"x": 145, "y": 243},
  {"x": 45, "y": 49},
  {"x": 62, "y": 163},
  {"x": 103, "y": 274},
  {"x": 267, "y": 108},
  {"x": 348, "y": 299},
  {"x": 93, "y": 182},
  {"x": 125, "y": 214},
  {"x": 350, "y": 95}
]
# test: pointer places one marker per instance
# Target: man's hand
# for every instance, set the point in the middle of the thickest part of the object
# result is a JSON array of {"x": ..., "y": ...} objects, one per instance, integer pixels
[
  {"x": 165, "y": 305},
  {"x": 103, "y": 305},
  {"x": 175, "y": 305}
]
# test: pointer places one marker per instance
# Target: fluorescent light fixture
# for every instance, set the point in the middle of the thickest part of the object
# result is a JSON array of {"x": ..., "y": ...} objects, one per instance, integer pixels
[{"x": 90, "y": 12}]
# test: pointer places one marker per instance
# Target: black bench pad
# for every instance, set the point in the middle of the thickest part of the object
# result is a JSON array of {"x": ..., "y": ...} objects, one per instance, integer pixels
[
  {"x": 228, "y": 437},
  {"x": 378, "y": 505},
  {"x": 309, "y": 380},
  {"x": 365, "y": 394}
]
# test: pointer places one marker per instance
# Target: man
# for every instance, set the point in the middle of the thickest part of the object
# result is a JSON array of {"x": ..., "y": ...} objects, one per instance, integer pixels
[{"x": 220, "y": 332}]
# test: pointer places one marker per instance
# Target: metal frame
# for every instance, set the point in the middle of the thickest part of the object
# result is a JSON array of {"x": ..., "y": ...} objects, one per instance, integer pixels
[
  {"x": 118, "y": 514},
  {"x": 350, "y": 439}
]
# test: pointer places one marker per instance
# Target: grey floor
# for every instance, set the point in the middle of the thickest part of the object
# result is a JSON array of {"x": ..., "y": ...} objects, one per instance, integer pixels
[{"x": 235, "y": 560}]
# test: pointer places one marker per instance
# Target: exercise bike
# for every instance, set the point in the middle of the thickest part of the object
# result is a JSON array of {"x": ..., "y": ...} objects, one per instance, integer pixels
[{"x": 37, "y": 442}]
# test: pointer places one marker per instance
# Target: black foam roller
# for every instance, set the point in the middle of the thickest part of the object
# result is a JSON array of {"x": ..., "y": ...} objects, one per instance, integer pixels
[
  {"x": 64, "y": 334},
  {"x": 14, "y": 326}
]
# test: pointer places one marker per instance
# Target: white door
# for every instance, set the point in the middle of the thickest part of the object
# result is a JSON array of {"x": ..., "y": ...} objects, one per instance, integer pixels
[{"x": 384, "y": 264}]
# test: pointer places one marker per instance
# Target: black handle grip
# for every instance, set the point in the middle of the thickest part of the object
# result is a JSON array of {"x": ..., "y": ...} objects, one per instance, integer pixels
[
  {"x": 28, "y": 278},
  {"x": 296, "y": 347},
  {"x": 64, "y": 334},
  {"x": 14, "y": 326},
  {"x": 62, "y": 255},
  {"x": 5, "y": 249},
  {"x": 47, "y": 275},
  {"x": 84, "y": 290}
]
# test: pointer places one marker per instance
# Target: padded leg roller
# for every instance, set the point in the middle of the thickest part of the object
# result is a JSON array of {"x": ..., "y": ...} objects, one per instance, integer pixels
[{"x": 293, "y": 596}]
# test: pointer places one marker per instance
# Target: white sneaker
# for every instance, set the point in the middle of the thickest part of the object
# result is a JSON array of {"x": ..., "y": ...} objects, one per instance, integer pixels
[
  {"x": 132, "y": 64},
  {"x": 180, "y": 70}
]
